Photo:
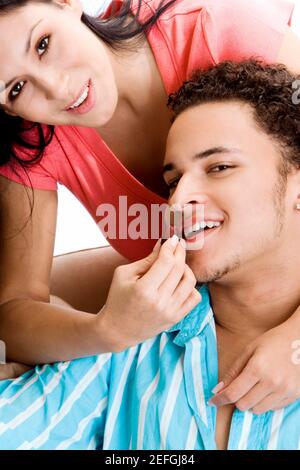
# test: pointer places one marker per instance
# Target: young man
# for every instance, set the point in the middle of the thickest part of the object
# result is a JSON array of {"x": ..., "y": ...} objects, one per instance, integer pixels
[{"x": 234, "y": 148}]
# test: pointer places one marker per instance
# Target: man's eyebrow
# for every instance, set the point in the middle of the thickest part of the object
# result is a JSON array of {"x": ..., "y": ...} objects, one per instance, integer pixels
[
  {"x": 212, "y": 151},
  {"x": 26, "y": 52},
  {"x": 205, "y": 154}
]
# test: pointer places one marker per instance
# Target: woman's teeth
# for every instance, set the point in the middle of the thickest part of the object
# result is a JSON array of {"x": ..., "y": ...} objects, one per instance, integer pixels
[
  {"x": 191, "y": 232},
  {"x": 81, "y": 99}
]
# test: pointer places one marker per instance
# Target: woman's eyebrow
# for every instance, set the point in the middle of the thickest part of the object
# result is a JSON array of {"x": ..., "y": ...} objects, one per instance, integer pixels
[
  {"x": 30, "y": 36},
  {"x": 28, "y": 44}
]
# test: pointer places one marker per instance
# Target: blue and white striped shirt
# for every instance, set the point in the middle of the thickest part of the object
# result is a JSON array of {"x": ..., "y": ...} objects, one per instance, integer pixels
[{"x": 152, "y": 396}]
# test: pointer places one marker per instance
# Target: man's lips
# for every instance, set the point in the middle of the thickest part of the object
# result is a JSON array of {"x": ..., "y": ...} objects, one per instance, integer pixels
[
  {"x": 192, "y": 221},
  {"x": 201, "y": 230},
  {"x": 189, "y": 223},
  {"x": 194, "y": 218},
  {"x": 193, "y": 231}
]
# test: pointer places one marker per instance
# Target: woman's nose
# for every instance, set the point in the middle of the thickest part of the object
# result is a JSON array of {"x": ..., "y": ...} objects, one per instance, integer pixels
[{"x": 55, "y": 87}]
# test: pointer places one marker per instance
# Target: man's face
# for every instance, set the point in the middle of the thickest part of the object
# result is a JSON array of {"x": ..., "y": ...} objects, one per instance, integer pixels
[{"x": 217, "y": 156}]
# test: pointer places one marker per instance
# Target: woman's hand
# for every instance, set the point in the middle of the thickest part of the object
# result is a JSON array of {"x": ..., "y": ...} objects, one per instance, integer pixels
[
  {"x": 267, "y": 376},
  {"x": 12, "y": 370},
  {"x": 149, "y": 296}
]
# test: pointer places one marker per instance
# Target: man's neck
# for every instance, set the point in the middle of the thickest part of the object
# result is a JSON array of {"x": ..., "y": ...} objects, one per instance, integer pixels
[{"x": 251, "y": 303}]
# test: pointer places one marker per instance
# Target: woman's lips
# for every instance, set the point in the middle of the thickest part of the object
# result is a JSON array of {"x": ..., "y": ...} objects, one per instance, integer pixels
[
  {"x": 78, "y": 96},
  {"x": 89, "y": 102}
]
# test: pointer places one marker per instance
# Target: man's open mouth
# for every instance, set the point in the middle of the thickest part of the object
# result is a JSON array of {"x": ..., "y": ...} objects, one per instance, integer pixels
[{"x": 192, "y": 232}]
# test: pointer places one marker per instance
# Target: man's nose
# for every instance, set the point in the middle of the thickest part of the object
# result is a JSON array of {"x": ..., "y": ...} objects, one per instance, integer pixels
[{"x": 187, "y": 191}]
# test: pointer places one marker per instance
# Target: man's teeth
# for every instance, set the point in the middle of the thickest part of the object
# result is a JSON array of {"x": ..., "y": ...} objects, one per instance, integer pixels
[
  {"x": 197, "y": 228},
  {"x": 81, "y": 99}
]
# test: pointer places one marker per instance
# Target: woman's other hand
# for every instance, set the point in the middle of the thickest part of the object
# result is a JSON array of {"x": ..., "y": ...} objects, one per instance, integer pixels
[
  {"x": 12, "y": 370},
  {"x": 267, "y": 376}
]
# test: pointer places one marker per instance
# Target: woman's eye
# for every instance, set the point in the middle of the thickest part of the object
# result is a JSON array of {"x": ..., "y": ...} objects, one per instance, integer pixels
[
  {"x": 16, "y": 91},
  {"x": 219, "y": 168},
  {"x": 42, "y": 45}
]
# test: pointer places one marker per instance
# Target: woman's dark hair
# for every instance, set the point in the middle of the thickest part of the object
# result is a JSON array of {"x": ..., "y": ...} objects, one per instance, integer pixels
[
  {"x": 115, "y": 30},
  {"x": 272, "y": 91}
]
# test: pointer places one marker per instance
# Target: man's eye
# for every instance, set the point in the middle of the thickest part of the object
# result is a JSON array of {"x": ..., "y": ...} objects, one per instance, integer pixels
[
  {"x": 219, "y": 168},
  {"x": 44, "y": 45},
  {"x": 172, "y": 184}
]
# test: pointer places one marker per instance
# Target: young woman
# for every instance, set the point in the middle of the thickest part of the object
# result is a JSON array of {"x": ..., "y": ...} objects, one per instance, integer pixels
[{"x": 123, "y": 65}]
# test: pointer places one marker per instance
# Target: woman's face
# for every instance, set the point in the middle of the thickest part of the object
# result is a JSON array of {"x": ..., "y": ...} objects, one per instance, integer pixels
[{"x": 63, "y": 57}]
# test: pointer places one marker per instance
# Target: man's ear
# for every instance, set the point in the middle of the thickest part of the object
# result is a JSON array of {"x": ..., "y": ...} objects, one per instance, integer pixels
[
  {"x": 74, "y": 5},
  {"x": 294, "y": 184}
]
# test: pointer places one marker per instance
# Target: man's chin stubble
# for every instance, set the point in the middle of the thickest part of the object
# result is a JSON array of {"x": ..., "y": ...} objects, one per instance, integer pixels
[{"x": 212, "y": 275}]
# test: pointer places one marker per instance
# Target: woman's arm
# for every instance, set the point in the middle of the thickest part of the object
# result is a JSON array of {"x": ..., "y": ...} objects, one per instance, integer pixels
[
  {"x": 82, "y": 279},
  {"x": 34, "y": 330},
  {"x": 144, "y": 299}
]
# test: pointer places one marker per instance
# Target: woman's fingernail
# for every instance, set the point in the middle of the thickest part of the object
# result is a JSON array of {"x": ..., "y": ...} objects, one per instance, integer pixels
[
  {"x": 209, "y": 403},
  {"x": 218, "y": 388},
  {"x": 183, "y": 243},
  {"x": 174, "y": 240},
  {"x": 157, "y": 245}
]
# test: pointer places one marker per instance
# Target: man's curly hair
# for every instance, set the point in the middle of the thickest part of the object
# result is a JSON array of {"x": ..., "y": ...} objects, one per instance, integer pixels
[{"x": 268, "y": 89}]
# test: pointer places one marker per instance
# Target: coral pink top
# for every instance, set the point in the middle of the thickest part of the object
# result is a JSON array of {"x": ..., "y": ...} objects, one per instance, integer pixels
[{"x": 189, "y": 35}]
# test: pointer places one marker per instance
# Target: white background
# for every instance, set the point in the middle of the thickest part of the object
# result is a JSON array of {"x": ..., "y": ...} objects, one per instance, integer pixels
[{"x": 76, "y": 229}]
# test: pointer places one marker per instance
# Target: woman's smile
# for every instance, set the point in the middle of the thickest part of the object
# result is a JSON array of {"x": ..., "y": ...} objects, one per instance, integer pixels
[{"x": 86, "y": 102}]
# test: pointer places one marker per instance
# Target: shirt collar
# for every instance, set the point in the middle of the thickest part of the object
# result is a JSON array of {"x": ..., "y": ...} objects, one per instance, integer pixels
[{"x": 195, "y": 322}]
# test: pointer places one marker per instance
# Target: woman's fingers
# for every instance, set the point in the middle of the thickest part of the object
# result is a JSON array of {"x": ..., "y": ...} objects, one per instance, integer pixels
[
  {"x": 193, "y": 299},
  {"x": 237, "y": 381},
  {"x": 140, "y": 267},
  {"x": 177, "y": 291},
  {"x": 12, "y": 370},
  {"x": 140, "y": 306},
  {"x": 255, "y": 396},
  {"x": 171, "y": 282},
  {"x": 163, "y": 264},
  {"x": 237, "y": 389},
  {"x": 184, "y": 289},
  {"x": 283, "y": 403},
  {"x": 273, "y": 401}
]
